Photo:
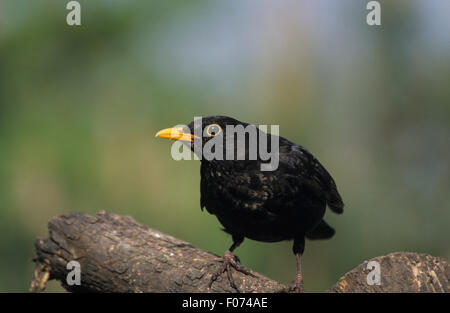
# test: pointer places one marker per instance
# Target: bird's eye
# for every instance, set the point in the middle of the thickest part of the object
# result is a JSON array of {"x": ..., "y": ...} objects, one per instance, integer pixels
[{"x": 213, "y": 130}]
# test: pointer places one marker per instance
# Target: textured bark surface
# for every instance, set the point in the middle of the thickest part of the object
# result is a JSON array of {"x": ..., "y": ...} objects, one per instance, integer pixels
[
  {"x": 117, "y": 254},
  {"x": 399, "y": 272}
]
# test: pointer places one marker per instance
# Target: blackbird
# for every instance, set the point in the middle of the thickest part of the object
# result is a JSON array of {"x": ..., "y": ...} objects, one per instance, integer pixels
[{"x": 285, "y": 203}]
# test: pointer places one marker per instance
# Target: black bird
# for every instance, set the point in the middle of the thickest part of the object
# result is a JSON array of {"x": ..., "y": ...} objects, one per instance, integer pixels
[{"x": 287, "y": 203}]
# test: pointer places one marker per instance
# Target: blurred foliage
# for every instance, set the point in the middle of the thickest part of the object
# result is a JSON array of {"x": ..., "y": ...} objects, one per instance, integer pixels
[{"x": 79, "y": 107}]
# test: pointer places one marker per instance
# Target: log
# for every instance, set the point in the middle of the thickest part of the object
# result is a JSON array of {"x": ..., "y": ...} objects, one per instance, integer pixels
[
  {"x": 399, "y": 272},
  {"x": 117, "y": 254}
]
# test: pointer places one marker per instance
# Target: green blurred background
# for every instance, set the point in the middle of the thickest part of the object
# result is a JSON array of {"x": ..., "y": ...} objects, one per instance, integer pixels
[{"x": 79, "y": 108}]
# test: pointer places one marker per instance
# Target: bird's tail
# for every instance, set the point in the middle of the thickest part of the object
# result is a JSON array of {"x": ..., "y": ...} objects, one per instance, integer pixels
[{"x": 322, "y": 231}]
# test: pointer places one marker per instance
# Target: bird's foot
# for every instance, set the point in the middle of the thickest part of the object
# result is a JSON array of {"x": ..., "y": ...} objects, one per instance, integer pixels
[
  {"x": 229, "y": 261},
  {"x": 296, "y": 286}
]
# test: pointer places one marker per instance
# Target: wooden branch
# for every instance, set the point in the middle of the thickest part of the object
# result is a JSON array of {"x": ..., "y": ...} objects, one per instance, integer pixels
[
  {"x": 117, "y": 254},
  {"x": 399, "y": 272}
]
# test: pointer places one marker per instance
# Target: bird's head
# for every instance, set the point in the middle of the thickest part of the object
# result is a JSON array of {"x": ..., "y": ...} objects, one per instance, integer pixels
[
  {"x": 220, "y": 138},
  {"x": 202, "y": 130}
]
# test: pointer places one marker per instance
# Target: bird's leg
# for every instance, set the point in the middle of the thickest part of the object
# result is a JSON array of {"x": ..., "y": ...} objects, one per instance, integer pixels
[
  {"x": 297, "y": 285},
  {"x": 230, "y": 261},
  {"x": 298, "y": 248}
]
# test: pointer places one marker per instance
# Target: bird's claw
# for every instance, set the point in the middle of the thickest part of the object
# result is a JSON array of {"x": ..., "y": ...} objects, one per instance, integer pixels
[
  {"x": 295, "y": 287},
  {"x": 229, "y": 261}
]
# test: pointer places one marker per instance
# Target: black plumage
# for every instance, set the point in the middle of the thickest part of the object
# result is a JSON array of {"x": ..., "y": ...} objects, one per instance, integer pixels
[{"x": 285, "y": 204}]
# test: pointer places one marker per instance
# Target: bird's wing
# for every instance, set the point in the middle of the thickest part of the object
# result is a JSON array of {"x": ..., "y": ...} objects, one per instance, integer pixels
[{"x": 312, "y": 175}]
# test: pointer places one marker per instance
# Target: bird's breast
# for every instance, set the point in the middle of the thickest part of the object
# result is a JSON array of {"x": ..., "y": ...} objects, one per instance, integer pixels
[{"x": 249, "y": 204}]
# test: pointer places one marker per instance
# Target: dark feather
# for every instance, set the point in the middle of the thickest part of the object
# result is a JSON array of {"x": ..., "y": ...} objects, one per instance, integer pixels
[
  {"x": 322, "y": 231},
  {"x": 270, "y": 206}
]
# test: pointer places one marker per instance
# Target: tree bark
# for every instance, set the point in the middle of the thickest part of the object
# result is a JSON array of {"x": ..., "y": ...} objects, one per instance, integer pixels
[
  {"x": 117, "y": 254},
  {"x": 399, "y": 272}
]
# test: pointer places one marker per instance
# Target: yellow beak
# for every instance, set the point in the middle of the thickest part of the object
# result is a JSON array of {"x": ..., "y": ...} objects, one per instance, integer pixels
[{"x": 175, "y": 134}]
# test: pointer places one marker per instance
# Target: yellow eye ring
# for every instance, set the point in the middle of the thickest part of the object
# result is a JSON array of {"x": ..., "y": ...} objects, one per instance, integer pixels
[{"x": 213, "y": 128}]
